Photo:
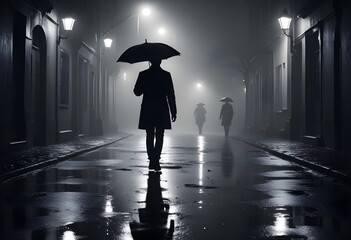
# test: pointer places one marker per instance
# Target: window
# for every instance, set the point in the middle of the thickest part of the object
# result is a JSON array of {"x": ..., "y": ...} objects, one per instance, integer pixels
[{"x": 64, "y": 79}]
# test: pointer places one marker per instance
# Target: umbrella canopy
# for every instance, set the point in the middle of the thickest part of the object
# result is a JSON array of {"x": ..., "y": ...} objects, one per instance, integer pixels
[
  {"x": 147, "y": 52},
  {"x": 226, "y": 99},
  {"x": 200, "y": 104}
]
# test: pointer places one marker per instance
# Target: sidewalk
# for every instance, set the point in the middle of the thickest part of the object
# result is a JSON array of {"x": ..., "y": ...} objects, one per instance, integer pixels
[
  {"x": 17, "y": 163},
  {"x": 324, "y": 160}
]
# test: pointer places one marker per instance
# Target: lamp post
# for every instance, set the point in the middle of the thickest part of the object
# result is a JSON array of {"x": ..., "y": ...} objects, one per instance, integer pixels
[
  {"x": 68, "y": 24},
  {"x": 108, "y": 41},
  {"x": 284, "y": 23},
  {"x": 105, "y": 38}
]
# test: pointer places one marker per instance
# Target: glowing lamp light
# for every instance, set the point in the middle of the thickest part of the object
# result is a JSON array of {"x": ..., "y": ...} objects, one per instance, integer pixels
[
  {"x": 108, "y": 42},
  {"x": 68, "y": 23},
  {"x": 161, "y": 31},
  {"x": 284, "y": 20},
  {"x": 146, "y": 11},
  {"x": 198, "y": 85}
]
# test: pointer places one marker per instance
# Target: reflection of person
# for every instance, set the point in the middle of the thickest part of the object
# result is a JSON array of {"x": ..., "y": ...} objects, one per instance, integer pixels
[
  {"x": 227, "y": 158},
  {"x": 226, "y": 115},
  {"x": 153, "y": 218},
  {"x": 200, "y": 117},
  {"x": 158, "y": 99}
]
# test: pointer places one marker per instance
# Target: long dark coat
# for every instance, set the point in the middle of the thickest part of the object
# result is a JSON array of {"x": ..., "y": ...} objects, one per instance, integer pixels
[
  {"x": 199, "y": 114},
  {"x": 157, "y": 87},
  {"x": 226, "y": 114}
]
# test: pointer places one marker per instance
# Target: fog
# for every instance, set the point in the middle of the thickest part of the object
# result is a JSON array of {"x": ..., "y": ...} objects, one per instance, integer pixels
[{"x": 208, "y": 34}]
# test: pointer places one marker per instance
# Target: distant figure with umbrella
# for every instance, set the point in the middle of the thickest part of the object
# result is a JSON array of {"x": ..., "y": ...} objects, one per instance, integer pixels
[
  {"x": 156, "y": 86},
  {"x": 200, "y": 117},
  {"x": 226, "y": 114}
]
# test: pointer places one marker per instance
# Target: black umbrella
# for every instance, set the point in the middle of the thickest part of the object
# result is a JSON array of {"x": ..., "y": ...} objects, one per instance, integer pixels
[
  {"x": 147, "y": 52},
  {"x": 200, "y": 104},
  {"x": 226, "y": 99}
]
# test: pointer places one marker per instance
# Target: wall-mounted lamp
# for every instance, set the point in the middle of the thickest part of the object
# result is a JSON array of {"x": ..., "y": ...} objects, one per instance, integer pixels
[
  {"x": 108, "y": 42},
  {"x": 284, "y": 22},
  {"x": 68, "y": 24}
]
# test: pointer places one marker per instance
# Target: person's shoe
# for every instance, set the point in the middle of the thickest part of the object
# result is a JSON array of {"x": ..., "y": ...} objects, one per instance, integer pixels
[
  {"x": 157, "y": 166},
  {"x": 152, "y": 165}
]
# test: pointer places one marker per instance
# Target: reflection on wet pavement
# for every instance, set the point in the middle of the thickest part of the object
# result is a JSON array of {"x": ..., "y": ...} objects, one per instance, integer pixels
[
  {"x": 210, "y": 188},
  {"x": 153, "y": 218}
]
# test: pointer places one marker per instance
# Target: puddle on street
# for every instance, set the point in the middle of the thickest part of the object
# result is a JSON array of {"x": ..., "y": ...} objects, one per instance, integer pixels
[{"x": 209, "y": 189}]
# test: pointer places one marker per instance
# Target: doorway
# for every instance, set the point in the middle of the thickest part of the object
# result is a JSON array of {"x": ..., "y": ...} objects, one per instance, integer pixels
[
  {"x": 313, "y": 98},
  {"x": 38, "y": 90}
]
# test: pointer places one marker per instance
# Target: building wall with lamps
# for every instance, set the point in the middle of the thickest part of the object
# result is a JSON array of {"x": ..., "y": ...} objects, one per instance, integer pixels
[
  {"x": 267, "y": 96},
  {"x": 28, "y": 74},
  {"x": 44, "y": 85},
  {"x": 317, "y": 71}
]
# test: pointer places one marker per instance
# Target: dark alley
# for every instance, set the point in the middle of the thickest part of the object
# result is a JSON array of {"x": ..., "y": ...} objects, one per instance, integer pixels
[{"x": 164, "y": 119}]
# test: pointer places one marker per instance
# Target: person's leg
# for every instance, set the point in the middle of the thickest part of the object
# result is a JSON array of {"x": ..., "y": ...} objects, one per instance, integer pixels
[
  {"x": 226, "y": 130},
  {"x": 150, "y": 147},
  {"x": 159, "y": 142},
  {"x": 200, "y": 129}
]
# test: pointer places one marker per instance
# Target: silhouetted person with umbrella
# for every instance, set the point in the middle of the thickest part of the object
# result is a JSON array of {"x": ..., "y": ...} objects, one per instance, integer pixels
[
  {"x": 226, "y": 114},
  {"x": 200, "y": 117},
  {"x": 156, "y": 86}
]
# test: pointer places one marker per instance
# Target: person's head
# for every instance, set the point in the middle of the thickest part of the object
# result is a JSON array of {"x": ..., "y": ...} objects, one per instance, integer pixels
[{"x": 155, "y": 62}]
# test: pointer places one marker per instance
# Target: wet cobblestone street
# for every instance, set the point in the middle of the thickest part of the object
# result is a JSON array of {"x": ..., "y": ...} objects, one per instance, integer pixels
[{"x": 211, "y": 187}]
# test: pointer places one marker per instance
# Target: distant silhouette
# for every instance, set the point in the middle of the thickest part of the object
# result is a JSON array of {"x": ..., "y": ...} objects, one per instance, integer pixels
[
  {"x": 200, "y": 117},
  {"x": 153, "y": 218},
  {"x": 157, "y": 87},
  {"x": 226, "y": 115}
]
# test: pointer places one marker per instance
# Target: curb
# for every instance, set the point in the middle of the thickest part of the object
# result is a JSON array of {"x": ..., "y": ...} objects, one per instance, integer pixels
[
  {"x": 25, "y": 170},
  {"x": 313, "y": 166}
]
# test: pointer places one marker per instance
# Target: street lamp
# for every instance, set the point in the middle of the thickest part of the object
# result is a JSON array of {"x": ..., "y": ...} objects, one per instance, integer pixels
[
  {"x": 284, "y": 22},
  {"x": 108, "y": 42},
  {"x": 199, "y": 85},
  {"x": 161, "y": 31},
  {"x": 68, "y": 24},
  {"x": 146, "y": 11}
]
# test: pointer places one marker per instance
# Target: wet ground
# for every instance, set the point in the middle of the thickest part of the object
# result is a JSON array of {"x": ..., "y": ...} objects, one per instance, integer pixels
[{"x": 210, "y": 188}]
